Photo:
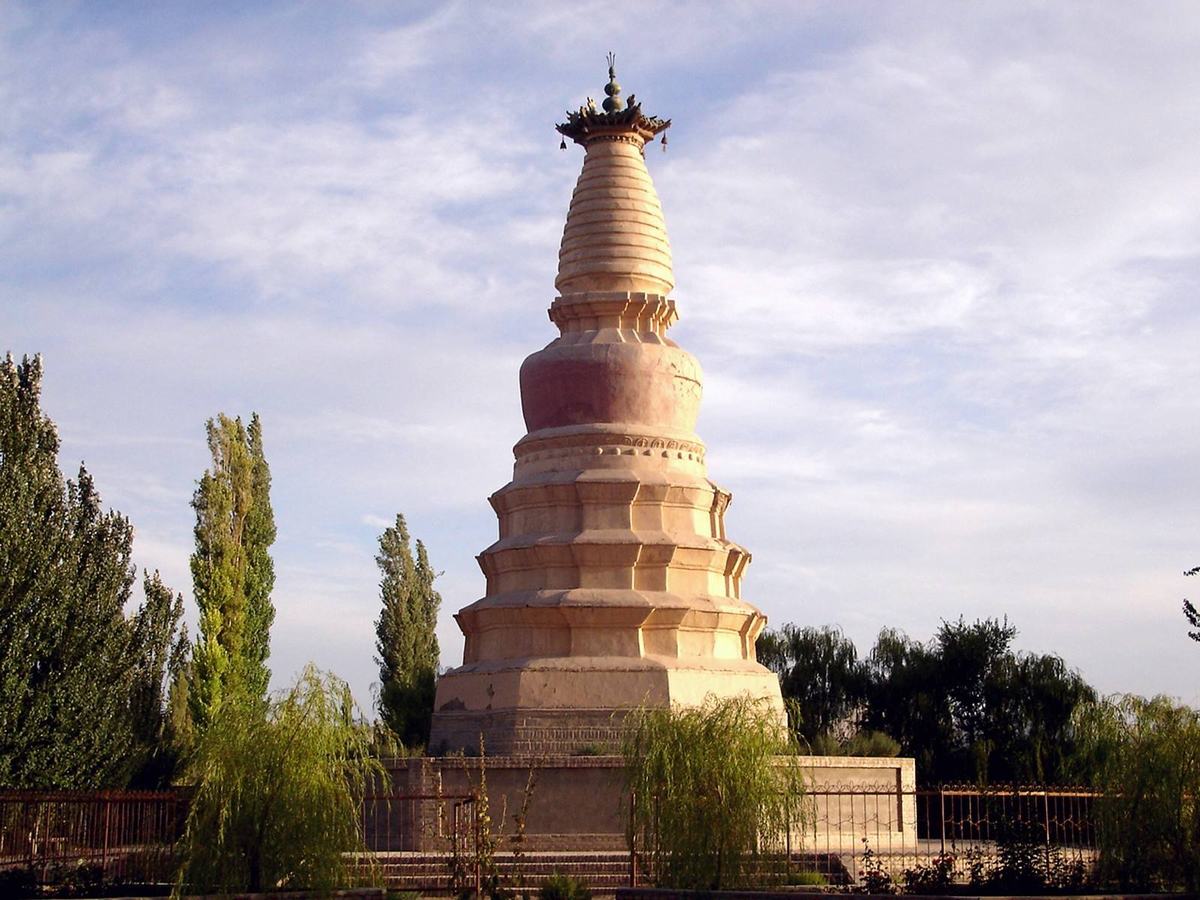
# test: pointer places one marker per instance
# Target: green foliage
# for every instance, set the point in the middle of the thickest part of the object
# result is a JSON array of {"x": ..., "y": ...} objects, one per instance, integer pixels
[
  {"x": 406, "y": 641},
  {"x": 154, "y": 628},
  {"x": 965, "y": 705},
  {"x": 592, "y": 748},
  {"x": 232, "y": 572},
  {"x": 179, "y": 728},
  {"x": 710, "y": 796},
  {"x": 863, "y": 743},
  {"x": 806, "y": 878},
  {"x": 277, "y": 791},
  {"x": 260, "y": 568},
  {"x": 874, "y": 877},
  {"x": 820, "y": 670},
  {"x": 77, "y": 677},
  {"x": 933, "y": 877},
  {"x": 1144, "y": 755},
  {"x": 1023, "y": 862},
  {"x": 564, "y": 887}
]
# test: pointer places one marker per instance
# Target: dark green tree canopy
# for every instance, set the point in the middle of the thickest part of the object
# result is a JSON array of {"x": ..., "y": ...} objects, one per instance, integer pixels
[
  {"x": 965, "y": 705},
  {"x": 819, "y": 669},
  {"x": 80, "y": 682}
]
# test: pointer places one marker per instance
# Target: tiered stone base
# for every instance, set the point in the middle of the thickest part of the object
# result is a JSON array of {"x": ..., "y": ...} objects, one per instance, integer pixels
[
  {"x": 526, "y": 732},
  {"x": 571, "y": 705}
]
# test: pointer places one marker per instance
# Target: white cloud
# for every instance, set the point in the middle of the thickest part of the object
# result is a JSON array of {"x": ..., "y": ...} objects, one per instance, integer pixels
[{"x": 939, "y": 263}]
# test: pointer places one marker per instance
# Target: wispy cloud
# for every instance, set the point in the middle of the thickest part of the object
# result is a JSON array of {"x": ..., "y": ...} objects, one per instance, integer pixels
[{"x": 939, "y": 263}]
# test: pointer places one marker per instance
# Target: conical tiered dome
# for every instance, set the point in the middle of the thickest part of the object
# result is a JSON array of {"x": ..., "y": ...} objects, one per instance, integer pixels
[
  {"x": 615, "y": 238},
  {"x": 612, "y": 584}
]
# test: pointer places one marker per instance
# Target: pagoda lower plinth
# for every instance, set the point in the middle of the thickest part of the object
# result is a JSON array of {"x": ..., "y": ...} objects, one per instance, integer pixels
[{"x": 565, "y": 704}]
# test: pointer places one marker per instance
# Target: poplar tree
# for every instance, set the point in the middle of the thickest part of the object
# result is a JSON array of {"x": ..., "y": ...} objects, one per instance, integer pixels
[
  {"x": 406, "y": 640},
  {"x": 232, "y": 572},
  {"x": 260, "y": 568},
  {"x": 154, "y": 639},
  {"x": 75, "y": 672}
]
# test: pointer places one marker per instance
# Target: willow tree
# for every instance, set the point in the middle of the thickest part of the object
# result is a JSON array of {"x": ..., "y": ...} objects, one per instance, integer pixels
[
  {"x": 1143, "y": 756},
  {"x": 277, "y": 793},
  {"x": 711, "y": 795},
  {"x": 232, "y": 572},
  {"x": 405, "y": 637}
]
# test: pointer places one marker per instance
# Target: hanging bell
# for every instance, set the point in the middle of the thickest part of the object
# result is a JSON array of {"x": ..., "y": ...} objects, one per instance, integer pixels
[
  {"x": 664, "y": 143},
  {"x": 562, "y": 145}
]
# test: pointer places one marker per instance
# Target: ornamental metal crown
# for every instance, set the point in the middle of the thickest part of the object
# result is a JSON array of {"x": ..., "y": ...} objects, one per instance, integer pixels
[{"x": 617, "y": 116}]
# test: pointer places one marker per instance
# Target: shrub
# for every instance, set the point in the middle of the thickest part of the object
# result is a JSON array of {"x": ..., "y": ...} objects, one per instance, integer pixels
[
  {"x": 874, "y": 878},
  {"x": 806, "y": 878},
  {"x": 933, "y": 877},
  {"x": 18, "y": 882},
  {"x": 592, "y": 749},
  {"x": 564, "y": 887},
  {"x": 710, "y": 796},
  {"x": 277, "y": 793},
  {"x": 862, "y": 743}
]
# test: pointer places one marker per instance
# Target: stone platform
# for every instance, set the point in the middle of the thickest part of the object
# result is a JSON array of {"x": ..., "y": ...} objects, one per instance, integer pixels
[{"x": 579, "y": 803}]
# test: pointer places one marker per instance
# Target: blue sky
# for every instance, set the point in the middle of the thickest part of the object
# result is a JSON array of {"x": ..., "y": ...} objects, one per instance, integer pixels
[{"x": 939, "y": 261}]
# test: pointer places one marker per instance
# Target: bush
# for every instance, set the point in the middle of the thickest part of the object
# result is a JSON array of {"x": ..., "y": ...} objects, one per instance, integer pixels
[
  {"x": 18, "y": 882},
  {"x": 806, "y": 878},
  {"x": 1144, "y": 756},
  {"x": 933, "y": 877},
  {"x": 276, "y": 802},
  {"x": 592, "y": 749},
  {"x": 710, "y": 796},
  {"x": 863, "y": 743},
  {"x": 564, "y": 887}
]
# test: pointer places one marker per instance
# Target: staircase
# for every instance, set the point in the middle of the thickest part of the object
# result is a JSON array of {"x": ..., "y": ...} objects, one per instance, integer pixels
[{"x": 429, "y": 873}]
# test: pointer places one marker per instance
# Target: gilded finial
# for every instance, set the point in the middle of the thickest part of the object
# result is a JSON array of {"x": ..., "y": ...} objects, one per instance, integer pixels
[
  {"x": 612, "y": 90},
  {"x": 618, "y": 116}
]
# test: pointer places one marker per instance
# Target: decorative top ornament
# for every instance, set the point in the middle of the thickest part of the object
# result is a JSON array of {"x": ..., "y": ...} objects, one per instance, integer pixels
[
  {"x": 613, "y": 103},
  {"x": 618, "y": 120}
]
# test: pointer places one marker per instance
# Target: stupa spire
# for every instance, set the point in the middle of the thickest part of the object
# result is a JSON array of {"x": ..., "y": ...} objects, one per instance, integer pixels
[{"x": 615, "y": 237}]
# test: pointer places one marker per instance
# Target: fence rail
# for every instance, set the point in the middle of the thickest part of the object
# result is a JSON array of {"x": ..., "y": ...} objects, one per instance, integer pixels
[
  {"x": 957, "y": 834},
  {"x": 124, "y": 837},
  {"x": 1008, "y": 835}
]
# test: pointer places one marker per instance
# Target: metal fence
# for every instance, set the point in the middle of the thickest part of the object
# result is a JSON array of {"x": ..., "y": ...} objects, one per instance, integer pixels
[
  {"x": 1003, "y": 835},
  {"x": 423, "y": 841},
  {"x": 93, "y": 837},
  {"x": 84, "y": 839},
  {"x": 855, "y": 835}
]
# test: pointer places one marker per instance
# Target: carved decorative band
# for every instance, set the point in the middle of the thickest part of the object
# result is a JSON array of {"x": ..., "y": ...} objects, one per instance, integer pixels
[
  {"x": 599, "y": 444},
  {"x": 642, "y": 312},
  {"x": 638, "y": 140}
]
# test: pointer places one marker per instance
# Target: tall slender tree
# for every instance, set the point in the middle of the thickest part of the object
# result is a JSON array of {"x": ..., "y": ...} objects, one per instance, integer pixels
[
  {"x": 232, "y": 573},
  {"x": 73, "y": 668},
  {"x": 260, "y": 568},
  {"x": 405, "y": 637},
  {"x": 154, "y": 628}
]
